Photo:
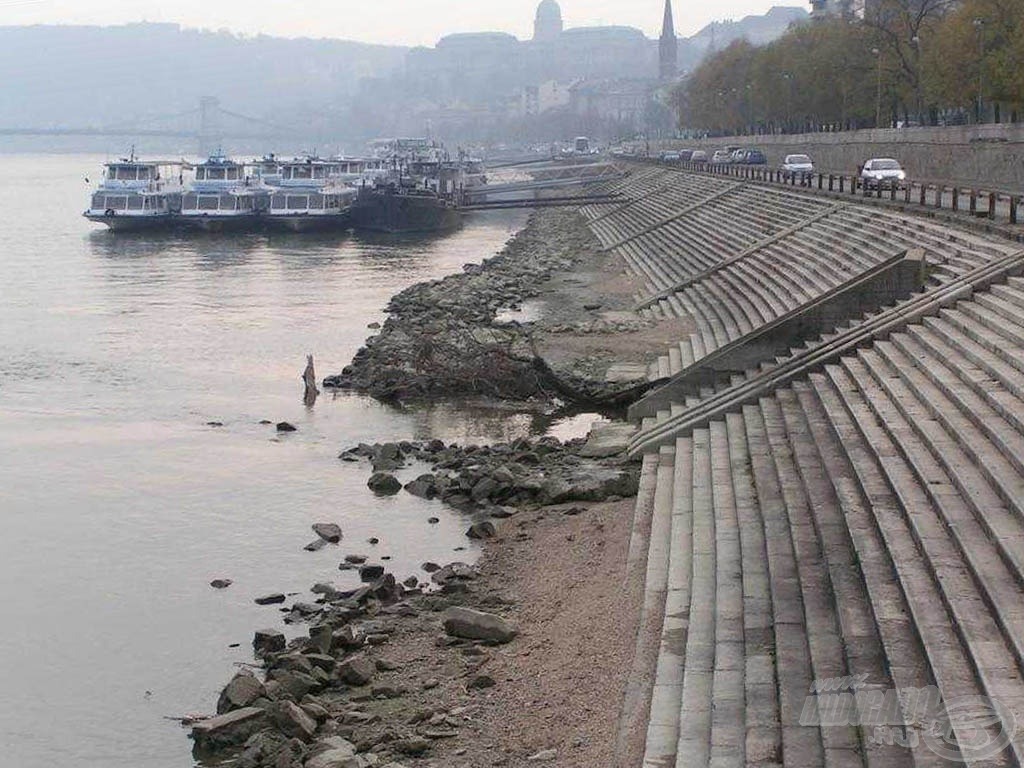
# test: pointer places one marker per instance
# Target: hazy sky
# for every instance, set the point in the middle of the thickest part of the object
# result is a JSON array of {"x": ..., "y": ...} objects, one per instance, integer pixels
[{"x": 408, "y": 22}]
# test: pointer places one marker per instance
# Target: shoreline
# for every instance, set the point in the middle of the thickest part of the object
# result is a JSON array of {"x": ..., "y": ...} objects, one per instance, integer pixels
[
  {"x": 548, "y": 318},
  {"x": 383, "y": 679}
]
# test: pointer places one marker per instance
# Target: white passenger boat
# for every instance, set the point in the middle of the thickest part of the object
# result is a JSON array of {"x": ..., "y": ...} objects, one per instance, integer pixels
[
  {"x": 311, "y": 194},
  {"x": 135, "y": 194},
  {"x": 223, "y": 195}
]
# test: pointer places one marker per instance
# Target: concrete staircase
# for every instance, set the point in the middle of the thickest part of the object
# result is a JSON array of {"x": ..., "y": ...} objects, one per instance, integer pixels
[
  {"x": 851, "y": 511},
  {"x": 866, "y": 521}
]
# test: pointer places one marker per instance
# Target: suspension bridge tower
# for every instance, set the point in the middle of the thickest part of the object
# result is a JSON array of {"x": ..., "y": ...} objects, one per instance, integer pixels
[{"x": 211, "y": 133}]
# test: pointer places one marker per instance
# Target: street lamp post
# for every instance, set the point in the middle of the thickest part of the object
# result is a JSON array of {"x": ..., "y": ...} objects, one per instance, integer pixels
[
  {"x": 916, "y": 42},
  {"x": 979, "y": 24},
  {"x": 878, "y": 89},
  {"x": 789, "y": 100},
  {"x": 750, "y": 111}
]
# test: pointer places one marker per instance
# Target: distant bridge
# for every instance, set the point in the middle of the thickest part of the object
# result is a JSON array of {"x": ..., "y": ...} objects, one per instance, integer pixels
[{"x": 208, "y": 125}]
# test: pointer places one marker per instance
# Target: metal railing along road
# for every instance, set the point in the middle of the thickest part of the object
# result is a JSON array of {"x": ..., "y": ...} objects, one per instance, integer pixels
[{"x": 997, "y": 206}]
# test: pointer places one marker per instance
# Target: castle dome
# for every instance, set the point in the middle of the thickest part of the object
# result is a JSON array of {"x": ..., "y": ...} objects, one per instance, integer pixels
[{"x": 548, "y": 23}]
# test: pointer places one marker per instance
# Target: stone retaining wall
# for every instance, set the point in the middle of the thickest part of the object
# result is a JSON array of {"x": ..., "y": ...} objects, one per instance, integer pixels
[{"x": 983, "y": 156}]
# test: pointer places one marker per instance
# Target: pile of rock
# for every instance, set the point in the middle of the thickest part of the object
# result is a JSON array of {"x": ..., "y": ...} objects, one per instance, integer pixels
[
  {"x": 315, "y": 703},
  {"x": 443, "y": 337},
  {"x": 497, "y": 479}
]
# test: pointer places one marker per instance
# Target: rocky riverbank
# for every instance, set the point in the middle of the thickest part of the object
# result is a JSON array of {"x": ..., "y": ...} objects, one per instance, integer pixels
[
  {"x": 520, "y": 658},
  {"x": 546, "y": 318},
  {"x": 461, "y": 665}
]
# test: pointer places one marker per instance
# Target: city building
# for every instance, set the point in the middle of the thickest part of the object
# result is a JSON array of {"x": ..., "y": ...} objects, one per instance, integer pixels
[{"x": 668, "y": 47}]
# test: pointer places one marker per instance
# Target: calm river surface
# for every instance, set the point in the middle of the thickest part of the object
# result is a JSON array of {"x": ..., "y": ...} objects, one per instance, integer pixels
[{"x": 118, "y": 504}]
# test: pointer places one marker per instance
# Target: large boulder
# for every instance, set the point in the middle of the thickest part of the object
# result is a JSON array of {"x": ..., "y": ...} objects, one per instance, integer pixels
[
  {"x": 291, "y": 720},
  {"x": 387, "y": 457},
  {"x": 329, "y": 532},
  {"x": 424, "y": 486},
  {"x": 384, "y": 484},
  {"x": 358, "y": 670},
  {"x": 453, "y": 572},
  {"x": 469, "y": 624},
  {"x": 334, "y": 752},
  {"x": 241, "y": 692},
  {"x": 228, "y": 730},
  {"x": 483, "y": 529},
  {"x": 268, "y": 641}
]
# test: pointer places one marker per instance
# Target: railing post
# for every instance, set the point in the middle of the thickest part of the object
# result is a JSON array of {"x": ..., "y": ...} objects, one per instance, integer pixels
[
  {"x": 906, "y": 192},
  {"x": 991, "y": 205},
  {"x": 842, "y": 179},
  {"x": 940, "y": 192},
  {"x": 956, "y": 198},
  {"x": 924, "y": 193},
  {"x": 974, "y": 201},
  {"x": 892, "y": 191},
  {"x": 1014, "y": 202},
  {"x": 831, "y": 183}
]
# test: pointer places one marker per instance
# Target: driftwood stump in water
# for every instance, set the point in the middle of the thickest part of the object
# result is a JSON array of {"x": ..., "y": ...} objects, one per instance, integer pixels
[{"x": 309, "y": 379}]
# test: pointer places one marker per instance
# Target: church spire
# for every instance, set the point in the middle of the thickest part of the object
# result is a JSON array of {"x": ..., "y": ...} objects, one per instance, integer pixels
[{"x": 669, "y": 46}]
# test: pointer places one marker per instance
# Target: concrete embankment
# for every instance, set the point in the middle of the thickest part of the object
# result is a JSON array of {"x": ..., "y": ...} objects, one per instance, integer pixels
[{"x": 980, "y": 156}]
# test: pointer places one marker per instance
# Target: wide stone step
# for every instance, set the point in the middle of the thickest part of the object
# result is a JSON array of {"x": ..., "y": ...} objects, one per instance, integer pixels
[
  {"x": 786, "y": 638},
  {"x": 693, "y": 746},
  {"x": 954, "y": 648},
  {"x": 665, "y": 584}
]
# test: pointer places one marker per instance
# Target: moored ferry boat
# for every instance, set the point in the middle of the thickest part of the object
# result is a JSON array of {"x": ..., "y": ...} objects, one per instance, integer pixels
[
  {"x": 223, "y": 196},
  {"x": 134, "y": 195},
  {"x": 299, "y": 209},
  {"x": 311, "y": 194}
]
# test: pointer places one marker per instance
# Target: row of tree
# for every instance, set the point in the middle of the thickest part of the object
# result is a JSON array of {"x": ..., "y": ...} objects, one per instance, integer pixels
[{"x": 905, "y": 61}]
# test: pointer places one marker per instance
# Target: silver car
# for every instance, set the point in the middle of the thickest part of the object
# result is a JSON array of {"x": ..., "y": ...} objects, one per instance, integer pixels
[
  {"x": 721, "y": 157},
  {"x": 882, "y": 172},
  {"x": 797, "y": 165}
]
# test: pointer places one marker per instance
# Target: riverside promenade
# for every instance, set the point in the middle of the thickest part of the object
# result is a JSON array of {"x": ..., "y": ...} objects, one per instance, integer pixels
[{"x": 832, "y": 493}]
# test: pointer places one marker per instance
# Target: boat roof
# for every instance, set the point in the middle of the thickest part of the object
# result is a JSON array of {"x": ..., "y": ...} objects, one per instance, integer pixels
[{"x": 126, "y": 163}]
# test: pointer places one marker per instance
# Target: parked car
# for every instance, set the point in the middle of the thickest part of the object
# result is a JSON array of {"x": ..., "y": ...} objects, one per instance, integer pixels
[
  {"x": 721, "y": 157},
  {"x": 736, "y": 156},
  {"x": 750, "y": 157},
  {"x": 882, "y": 172},
  {"x": 670, "y": 157},
  {"x": 797, "y": 165},
  {"x": 686, "y": 155},
  {"x": 699, "y": 156}
]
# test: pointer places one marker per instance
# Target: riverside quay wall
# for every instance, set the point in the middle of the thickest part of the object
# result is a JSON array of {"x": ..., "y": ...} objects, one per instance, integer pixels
[{"x": 990, "y": 156}]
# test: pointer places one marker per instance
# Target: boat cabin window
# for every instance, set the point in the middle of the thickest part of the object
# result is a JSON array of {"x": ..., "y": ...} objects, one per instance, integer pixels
[
  {"x": 116, "y": 203},
  {"x": 129, "y": 173},
  {"x": 208, "y": 202},
  {"x": 215, "y": 174},
  {"x": 299, "y": 172},
  {"x": 297, "y": 203}
]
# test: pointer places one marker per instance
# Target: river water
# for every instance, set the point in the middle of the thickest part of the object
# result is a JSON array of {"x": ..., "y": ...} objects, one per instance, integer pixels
[{"x": 119, "y": 503}]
